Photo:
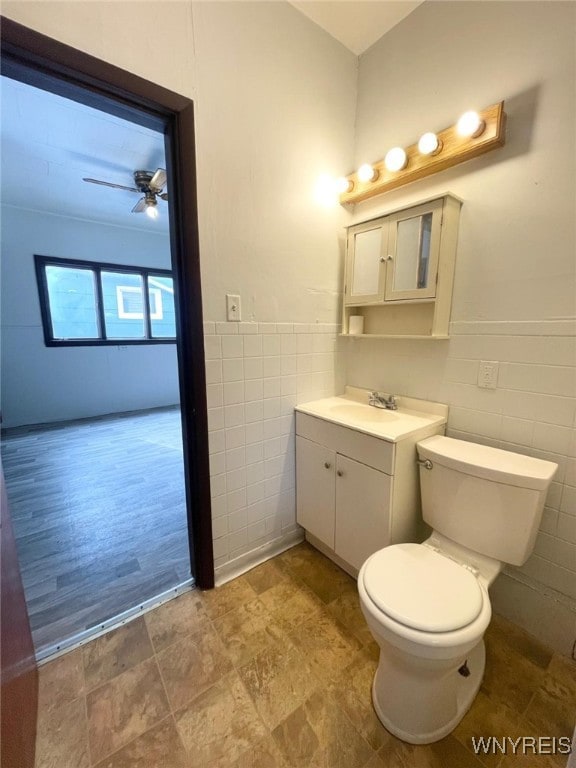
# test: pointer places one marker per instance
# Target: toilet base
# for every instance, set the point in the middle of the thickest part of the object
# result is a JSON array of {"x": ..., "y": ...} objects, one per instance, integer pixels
[{"x": 452, "y": 693}]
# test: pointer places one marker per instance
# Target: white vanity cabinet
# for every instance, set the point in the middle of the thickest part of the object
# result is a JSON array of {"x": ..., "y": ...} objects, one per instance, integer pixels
[
  {"x": 356, "y": 492},
  {"x": 343, "y": 503}
]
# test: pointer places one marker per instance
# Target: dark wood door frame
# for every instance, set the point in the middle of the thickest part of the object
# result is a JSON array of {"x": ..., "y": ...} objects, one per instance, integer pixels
[
  {"x": 18, "y": 671},
  {"x": 48, "y": 64}
]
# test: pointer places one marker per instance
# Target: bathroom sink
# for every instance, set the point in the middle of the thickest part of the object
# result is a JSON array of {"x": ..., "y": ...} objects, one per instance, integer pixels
[
  {"x": 360, "y": 412},
  {"x": 352, "y": 410}
]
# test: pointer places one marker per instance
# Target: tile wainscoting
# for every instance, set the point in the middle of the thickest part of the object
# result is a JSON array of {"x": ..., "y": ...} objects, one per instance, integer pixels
[{"x": 256, "y": 373}]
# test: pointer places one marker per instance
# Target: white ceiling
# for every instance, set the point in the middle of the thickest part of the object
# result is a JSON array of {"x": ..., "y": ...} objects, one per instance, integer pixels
[
  {"x": 50, "y": 143},
  {"x": 357, "y": 24}
]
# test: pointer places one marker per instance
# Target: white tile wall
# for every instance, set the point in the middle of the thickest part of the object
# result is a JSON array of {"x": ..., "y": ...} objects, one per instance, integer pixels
[
  {"x": 532, "y": 411},
  {"x": 256, "y": 374}
]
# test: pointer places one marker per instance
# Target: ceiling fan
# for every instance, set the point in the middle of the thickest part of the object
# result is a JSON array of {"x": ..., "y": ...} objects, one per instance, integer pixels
[{"x": 149, "y": 184}]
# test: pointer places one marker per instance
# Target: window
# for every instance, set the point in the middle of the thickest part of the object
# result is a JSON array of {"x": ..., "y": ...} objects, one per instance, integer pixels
[{"x": 90, "y": 303}]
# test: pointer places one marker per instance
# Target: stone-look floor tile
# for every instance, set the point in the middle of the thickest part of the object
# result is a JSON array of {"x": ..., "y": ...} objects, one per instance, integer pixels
[
  {"x": 264, "y": 754},
  {"x": 352, "y": 689},
  {"x": 563, "y": 669},
  {"x": 552, "y": 709},
  {"x": 488, "y": 718},
  {"x": 62, "y": 738},
  {"x": 509, "y": 677},
  {"x": 326, "y": 644},
  {"x": 346, "y": 608},
  {"x": 60, "y": 681},
  {"x": 318, "y": 735},
  {"x": 246, "y": 631},
  {"x": 266, "y": 576},
  {"x": 192, "y": 665},
  {"x": 176, "y": 619},
  {"x": 221, "y": 600},
  {"x": 505, "y": 632},
  {"x": 290, "y": 603},
  {"x": 278, "y": 680},
  {"x": 220, "y": 725},
  {"x": 526, "y": 758},
  {"x": 324, "y": 577},
  {"x": 116, "y": 652},
  {"x": 160, "y": 747},
  {"x": 448, "y": 753},
  {"x": 124, "y": 708}
]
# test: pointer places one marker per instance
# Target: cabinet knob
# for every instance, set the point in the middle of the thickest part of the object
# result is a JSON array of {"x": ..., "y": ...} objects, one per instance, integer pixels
[
  {"x": 339, "y": 473},
  {"x": 327, "y": 464}
]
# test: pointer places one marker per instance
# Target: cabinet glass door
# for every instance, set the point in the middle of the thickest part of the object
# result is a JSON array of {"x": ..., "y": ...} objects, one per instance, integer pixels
[
  {"x": 413, "y": 247},
  {"x": 365, "y": 280}
]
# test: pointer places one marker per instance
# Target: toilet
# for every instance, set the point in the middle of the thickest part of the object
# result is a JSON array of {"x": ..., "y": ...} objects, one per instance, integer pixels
[{"x": 427, "y": 605}]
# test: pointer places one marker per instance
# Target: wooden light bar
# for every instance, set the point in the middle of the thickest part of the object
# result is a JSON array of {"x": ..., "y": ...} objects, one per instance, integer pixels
[{"x": 455, "y": 149}]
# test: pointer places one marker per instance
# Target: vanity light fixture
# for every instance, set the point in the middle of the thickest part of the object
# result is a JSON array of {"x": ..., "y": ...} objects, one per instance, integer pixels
[
  {"x": 344, "y": 185},
  {"x": 367, "y": 173},
  {"x": 470, "y": 125},
  {"x": 429, "y": 144},
  {"x": 475, "y": 134},
  {"x": 396, "y": 159}
]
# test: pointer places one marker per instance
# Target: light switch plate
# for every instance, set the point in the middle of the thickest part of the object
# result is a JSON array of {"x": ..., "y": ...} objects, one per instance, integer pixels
[
  {"x": 488, "y": 374},
  {"x": 233, "y": 309}
]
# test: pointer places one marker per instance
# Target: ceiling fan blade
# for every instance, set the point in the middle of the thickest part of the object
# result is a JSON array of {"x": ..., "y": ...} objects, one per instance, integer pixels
[
  {"x": 140, "y": 205},
  {"x": 158, "y": 181},
  {"x": 108, "y": 184},
  {"x": 164, "y": 196}
]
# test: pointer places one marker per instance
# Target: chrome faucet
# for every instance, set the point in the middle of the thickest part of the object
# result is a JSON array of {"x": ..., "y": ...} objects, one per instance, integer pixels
[{"x": 380, "y": 401}]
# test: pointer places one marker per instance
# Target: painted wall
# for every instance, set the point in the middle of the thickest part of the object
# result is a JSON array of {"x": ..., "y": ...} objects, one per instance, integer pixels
[
  {"x": 274, "y": 100},
  {"x": 42, "y": 384},
  {"x": 515, "y": 290}
]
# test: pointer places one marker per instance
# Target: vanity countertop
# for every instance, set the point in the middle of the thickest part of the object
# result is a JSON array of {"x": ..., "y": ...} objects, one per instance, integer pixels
[{"x": 352, "y": 410}]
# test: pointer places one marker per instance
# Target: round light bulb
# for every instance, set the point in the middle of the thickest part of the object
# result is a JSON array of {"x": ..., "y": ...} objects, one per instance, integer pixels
[
  {"x": 429, "y": 144},
  {"x": 344, "y": 185},
  {"x": 152, "y": 211},
  {"x": 395, "y": 159},
  {"x": 470, "y": 124},
  {"x": 367, "y": 173}
]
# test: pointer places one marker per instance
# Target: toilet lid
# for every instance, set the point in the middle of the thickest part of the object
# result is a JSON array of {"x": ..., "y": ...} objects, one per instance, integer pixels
[{"x": 422, "y": 589}]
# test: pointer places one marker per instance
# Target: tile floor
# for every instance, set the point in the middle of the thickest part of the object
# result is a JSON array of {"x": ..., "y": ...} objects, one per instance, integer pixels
[{"x": 273, "y": 670}]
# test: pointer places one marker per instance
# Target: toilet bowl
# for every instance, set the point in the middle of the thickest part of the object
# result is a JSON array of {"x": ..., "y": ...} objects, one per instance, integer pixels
[{"x": 427, "y": 605}]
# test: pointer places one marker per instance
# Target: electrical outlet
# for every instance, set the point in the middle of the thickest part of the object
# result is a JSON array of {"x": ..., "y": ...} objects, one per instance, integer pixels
[
  {"x": 233, "y": 309},
  {"x": 488, "y": 374}
]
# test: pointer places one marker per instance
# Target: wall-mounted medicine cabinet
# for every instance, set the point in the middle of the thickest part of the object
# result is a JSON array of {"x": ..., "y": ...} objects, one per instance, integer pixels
[{"x": 400, "y": 270}]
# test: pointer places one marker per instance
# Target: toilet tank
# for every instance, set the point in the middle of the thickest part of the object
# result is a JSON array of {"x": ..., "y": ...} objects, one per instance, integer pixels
[{"x": 484, "y": 498}]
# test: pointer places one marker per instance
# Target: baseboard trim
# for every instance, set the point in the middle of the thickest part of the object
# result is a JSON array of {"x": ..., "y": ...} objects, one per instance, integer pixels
[{"x": 249, "y": 560}]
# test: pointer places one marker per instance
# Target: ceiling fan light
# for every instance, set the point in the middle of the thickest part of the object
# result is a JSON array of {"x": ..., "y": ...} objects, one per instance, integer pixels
[{"x": 151, "y": 210}]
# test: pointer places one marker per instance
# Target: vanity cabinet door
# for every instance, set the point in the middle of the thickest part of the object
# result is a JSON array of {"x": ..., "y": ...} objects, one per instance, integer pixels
[
  {"x": 366, "y": 263},
  {"x": 362, "y": 511},
  {"x": 315, "y": 491},
  {"x": 413, "y": 252}
]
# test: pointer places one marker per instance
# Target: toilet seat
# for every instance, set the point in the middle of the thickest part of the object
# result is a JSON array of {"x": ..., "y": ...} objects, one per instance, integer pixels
[{"x": 422, "y": 589}]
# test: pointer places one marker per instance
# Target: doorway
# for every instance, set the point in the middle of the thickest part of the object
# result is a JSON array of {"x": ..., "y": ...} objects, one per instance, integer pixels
[{"x": 33, "y": 59}]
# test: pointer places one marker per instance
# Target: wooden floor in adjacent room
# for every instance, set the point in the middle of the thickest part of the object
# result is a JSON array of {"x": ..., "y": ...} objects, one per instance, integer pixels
[{"x": 99, "y": 515}]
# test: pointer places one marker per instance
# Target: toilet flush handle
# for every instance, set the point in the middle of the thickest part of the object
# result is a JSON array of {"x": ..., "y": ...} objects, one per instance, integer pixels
[{"x": 426, "y": 463}]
